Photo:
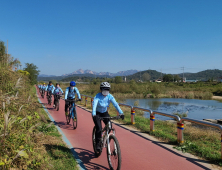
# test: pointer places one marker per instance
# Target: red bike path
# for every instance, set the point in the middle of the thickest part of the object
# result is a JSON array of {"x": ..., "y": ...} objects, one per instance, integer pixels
[{"x": 138, "y": 152}]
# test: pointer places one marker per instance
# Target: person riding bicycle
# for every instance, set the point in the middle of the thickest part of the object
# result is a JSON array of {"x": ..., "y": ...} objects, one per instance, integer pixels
[
  {"x": 43, "y": 87},
  {"x": 100, "y": 103},
  {"x": 56, "y": 92},
  {"x": 49, "y": 88},
  {"x": 70, "y": 94},
  {"x": 40, "y": 87}
]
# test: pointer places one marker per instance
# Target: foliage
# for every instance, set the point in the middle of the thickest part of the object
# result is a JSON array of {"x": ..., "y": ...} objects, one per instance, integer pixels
[
  {"x": 26, "y": 73},
  {"x": 33, "y": 72},
  {"x": 145, "y": 77},
  {"x": 167, "y": 78},
  {"x": 118, "y": 79},
  {"x": 25, "y": 129}
]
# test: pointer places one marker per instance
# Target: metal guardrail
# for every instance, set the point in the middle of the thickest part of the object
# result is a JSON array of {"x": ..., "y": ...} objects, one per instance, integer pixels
[{"x": 180, "y": 125}]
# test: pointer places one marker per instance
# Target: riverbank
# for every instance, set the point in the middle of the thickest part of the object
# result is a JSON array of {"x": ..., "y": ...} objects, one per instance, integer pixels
[
  {"x": 199, "y": 90},
  {"x": 204, "y": 143},
  {"x": 217, "y": 97}
]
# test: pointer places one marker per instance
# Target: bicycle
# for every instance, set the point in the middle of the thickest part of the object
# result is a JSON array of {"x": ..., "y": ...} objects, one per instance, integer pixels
[
  {"x": 49, "y": 97},
  {"x": 43, "y": 93},
  {"x": 110, "y": 142},
  {"x": 57, "y": 101},
  {"x": 72, "y": 113}
]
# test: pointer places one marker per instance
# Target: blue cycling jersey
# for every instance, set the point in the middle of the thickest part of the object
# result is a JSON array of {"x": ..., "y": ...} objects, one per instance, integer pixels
[
  {"x": 50, "y": 88},
  {"x": 70, "y": 93},
  {"x": 57, "y": 90},
  {"x": 100, "y": 104},
  {"x": 43, "y": 87}
]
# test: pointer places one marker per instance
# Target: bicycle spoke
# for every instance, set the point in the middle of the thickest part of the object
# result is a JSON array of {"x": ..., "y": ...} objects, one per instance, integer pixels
[{"x": 114, "y": 158}]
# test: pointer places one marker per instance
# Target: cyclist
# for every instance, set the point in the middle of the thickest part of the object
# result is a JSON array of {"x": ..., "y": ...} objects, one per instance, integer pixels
[
  {"x": 100, "y": 104},
  {"x": 49, "y": 88},
  {"x": 56, "y": 91},
  {"x": 70, "y": 94},
  {"x": 40, "y": 88},
  {"x": 43, "y": 87}
]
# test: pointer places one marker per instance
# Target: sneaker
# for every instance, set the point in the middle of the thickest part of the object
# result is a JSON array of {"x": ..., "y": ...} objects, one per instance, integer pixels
[{"x": 53, "y": 105}]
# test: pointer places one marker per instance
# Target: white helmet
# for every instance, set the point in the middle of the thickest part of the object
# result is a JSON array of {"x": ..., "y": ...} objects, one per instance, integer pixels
[{"x": 105, "y": 86}]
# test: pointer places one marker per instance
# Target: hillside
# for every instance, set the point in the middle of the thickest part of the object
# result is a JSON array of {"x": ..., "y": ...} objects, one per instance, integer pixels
[
  {"x": 153, "y": 75},
  {"x": 201, "y": 76}
]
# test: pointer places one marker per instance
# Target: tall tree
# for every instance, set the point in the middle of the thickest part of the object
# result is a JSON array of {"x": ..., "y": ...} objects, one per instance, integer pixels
[
  {"x": 167, "y": 78},
  {"x": 118, "y": 79},
  {"x": 2, "y": 53},
  {"x": 145, "y": 77},
  {"x": 33, "y": 71}
]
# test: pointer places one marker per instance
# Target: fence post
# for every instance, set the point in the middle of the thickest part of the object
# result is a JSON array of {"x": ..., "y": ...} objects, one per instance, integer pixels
[
  {"x": 132, "y": 116},
  {"x": 152, "y": 120},
  {"x": 81, "y": 100},
  {"x": 85, "y": 100},
  {"x": 91, "y": 102},
  {"x": 180, "y": 127}
]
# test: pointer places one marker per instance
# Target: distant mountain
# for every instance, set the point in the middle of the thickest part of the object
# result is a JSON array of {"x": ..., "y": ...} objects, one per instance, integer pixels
[
  {"x": 153, "y": 75},
  {"x": 44, "y": 75},
  {"x": 120, "y": 73},
  {"x": 201, "y": 76}
]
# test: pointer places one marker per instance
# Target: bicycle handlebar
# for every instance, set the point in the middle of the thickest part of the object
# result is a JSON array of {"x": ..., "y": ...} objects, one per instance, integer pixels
[
  {"x": 72, "y": 100},
  {"x": 110, "y": 118}
]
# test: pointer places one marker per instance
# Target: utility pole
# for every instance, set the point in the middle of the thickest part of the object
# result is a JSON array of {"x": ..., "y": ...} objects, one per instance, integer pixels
[
  {"x": 161, "y": 75},
  {"x": 183, "y": 72},
  {"x": 140, "y": 76}
]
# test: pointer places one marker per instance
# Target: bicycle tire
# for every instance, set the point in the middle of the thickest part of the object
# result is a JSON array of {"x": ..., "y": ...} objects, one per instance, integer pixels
[
  {"x": 74, "y": 120},
  {"x": 68, "y": 118},
  {"x": 97, "y": 154},
  {"x": 57, "y": 105},
  {"x": 50, "y": 101},
  {"x": 115, "y": 153}
]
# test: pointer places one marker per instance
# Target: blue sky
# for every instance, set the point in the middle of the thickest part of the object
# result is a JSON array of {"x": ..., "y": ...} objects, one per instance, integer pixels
[{"x": 61, "y": 36}]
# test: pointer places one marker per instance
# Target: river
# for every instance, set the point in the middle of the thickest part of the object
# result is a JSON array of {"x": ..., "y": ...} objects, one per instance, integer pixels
[{"x": 195, "y": 109}]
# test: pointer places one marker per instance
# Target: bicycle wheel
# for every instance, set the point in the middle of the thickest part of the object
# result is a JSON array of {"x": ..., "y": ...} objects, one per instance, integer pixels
[
  {"x": 97, "y": 154},
  {"x": 50, "y": 100},
  {"x": 114, "y": 158},
  {"x": 68, "y": 117},
  {"x": 57, "y": 105},
  {"x": 74, "y": 119}
]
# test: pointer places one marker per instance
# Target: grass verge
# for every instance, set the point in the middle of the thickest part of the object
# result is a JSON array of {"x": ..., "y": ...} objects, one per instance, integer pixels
[{"x": 200, "y": 141}]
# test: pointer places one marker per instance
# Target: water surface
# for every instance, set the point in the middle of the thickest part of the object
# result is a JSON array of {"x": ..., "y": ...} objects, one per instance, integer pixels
[{"x": 195, "y": 109}]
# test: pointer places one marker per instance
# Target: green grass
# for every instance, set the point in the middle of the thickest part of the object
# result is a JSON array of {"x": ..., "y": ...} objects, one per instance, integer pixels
[
  {"x": 58, "y": 156},
  {"x": 204, "y": 143}
]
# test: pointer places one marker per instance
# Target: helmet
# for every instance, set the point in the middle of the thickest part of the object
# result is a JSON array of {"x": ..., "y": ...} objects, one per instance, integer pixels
[
  {"x": 50, "y": 82},
  {"x": 72, "y": 83},
  {"x": 44, "y": 83},
  {"x": 105, "y": 86},
  {"x": 57, "y": 84}
]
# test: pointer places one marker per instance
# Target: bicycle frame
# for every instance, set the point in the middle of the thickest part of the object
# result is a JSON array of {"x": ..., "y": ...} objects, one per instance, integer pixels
[
  {"x": 105, "y": 137},
  {"x": 71, "y": 108}
]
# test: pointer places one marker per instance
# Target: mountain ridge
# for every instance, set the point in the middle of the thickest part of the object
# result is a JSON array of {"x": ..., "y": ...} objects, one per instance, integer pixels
[{"x": 87, "y": 71}]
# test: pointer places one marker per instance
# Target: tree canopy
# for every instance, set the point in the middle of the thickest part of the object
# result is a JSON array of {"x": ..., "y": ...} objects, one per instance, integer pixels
[{"x": 33, "y": 72}]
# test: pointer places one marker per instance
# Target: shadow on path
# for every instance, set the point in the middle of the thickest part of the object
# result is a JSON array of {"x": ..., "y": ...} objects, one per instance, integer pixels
[
  {"x": 86, "y": 156},
  {"x": 64, "y": 125}
]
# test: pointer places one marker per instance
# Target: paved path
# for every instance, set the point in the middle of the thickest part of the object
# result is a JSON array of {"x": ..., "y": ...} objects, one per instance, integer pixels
[{"x": 138, "y": 152}]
